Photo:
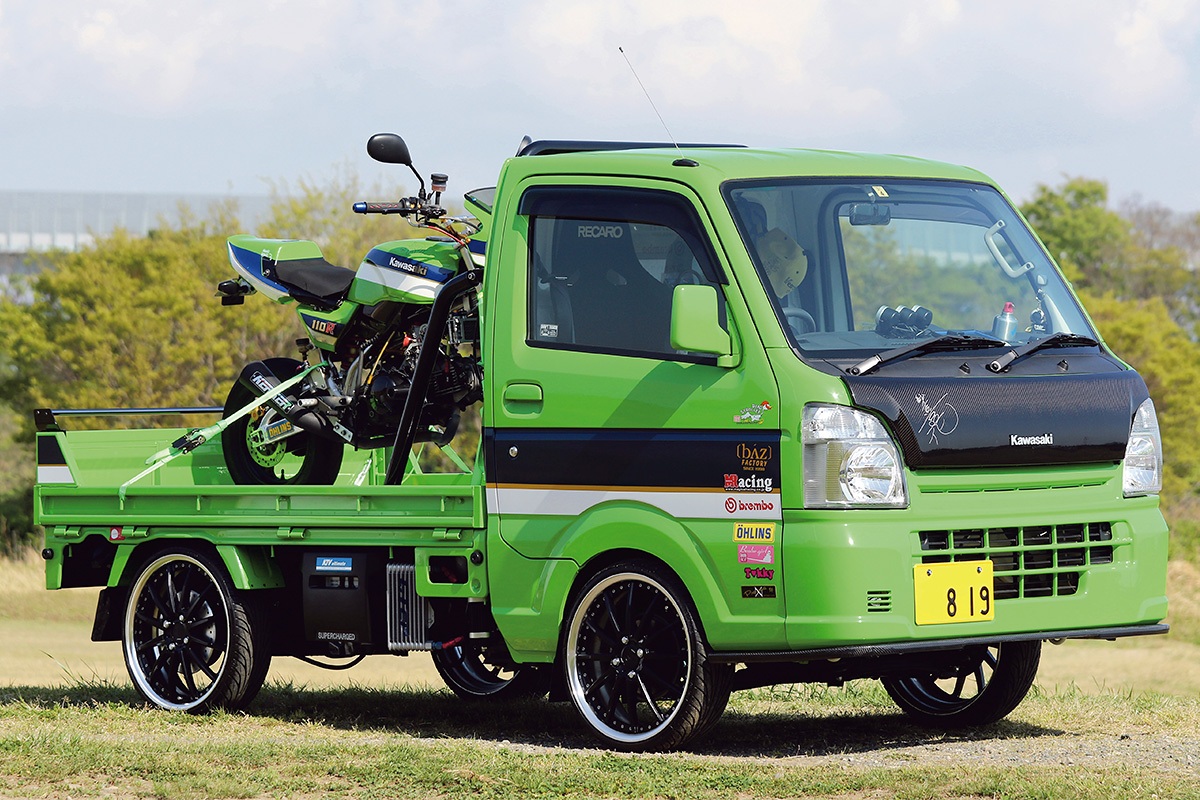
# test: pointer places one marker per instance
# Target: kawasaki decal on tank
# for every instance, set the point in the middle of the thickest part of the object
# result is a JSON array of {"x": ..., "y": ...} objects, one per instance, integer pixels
[{"x": 371, "y": 330}]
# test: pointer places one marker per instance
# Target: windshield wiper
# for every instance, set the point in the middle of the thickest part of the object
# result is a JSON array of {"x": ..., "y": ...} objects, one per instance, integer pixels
[
  {"x": 1053, "y": 340},
  {"x": 948, "y": 341}
]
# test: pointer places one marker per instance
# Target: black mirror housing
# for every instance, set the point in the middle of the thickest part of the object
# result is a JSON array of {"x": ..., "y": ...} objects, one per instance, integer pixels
[{"x": 389, "y": 149}]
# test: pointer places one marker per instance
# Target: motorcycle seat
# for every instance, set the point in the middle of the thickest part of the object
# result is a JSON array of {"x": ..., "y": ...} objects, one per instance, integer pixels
[{"x": 315, "y": 277}]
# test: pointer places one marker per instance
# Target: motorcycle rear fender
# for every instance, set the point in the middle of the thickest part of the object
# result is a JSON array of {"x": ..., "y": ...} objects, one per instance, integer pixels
[{"x": 246, "y": 255}]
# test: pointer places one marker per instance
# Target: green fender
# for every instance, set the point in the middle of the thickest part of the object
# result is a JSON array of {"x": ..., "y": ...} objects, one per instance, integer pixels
[
  {"x": 249, "y": 566},
  {"x": 636, "y": 527},
  {"x": 530, "y": 617}
]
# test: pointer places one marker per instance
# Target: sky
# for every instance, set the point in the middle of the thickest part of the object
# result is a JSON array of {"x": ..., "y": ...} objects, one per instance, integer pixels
[{"x": 225, "y": 96}]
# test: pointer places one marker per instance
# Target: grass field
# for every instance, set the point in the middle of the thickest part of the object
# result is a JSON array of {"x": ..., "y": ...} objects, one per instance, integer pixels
[{"x": 1105, "y": 720}]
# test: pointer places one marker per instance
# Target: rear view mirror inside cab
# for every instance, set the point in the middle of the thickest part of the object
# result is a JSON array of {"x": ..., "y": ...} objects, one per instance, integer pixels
[{"x": 870, "y": 214}]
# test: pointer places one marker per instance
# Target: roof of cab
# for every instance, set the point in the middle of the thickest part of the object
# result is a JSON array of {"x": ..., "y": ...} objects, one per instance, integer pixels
[{"x": 717, "y": 164}]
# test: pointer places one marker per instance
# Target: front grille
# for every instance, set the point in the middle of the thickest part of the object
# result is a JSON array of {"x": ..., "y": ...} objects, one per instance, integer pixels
[{"x": 1030, "y": 561}]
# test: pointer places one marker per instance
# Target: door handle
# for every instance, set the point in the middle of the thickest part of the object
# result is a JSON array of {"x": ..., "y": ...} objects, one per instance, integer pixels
[{"x": 522, "y": 399}]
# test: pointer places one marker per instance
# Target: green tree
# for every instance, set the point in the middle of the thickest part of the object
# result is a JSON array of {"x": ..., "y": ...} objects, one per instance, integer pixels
[
  {"x": 1137, "y": 257},
  {"x": 134, "y": 322}
]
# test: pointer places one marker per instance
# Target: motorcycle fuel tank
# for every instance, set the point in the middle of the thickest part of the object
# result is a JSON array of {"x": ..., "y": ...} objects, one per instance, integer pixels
[{"x": 409, "y": 271}]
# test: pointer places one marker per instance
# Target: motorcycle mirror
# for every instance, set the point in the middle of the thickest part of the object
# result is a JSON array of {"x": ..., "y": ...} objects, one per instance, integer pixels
[{"x": 389, "y": 149}]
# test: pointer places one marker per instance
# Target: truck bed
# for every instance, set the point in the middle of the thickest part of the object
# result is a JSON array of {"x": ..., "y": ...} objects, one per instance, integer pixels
[{"x": 80, "y": 474}]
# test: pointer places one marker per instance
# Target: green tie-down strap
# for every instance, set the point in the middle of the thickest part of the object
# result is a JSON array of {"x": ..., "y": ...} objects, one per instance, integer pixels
[{"x": 194, "y": 438}]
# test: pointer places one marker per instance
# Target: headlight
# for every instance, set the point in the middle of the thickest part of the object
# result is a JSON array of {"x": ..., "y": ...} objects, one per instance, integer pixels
[
  {"x": 849, "y": 460},
  {"x": 1143, "y": 455}
]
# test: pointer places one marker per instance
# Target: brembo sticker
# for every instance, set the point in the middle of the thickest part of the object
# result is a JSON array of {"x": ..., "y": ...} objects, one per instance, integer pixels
[
  {"x": 733, "y": 505},
  {"x": 754, "y": 533}
]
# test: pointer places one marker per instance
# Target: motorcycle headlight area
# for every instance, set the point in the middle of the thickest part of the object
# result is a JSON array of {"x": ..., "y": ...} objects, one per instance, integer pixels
[
  {"x": 1143, "y": 466},
  {"x": 850, "y": 461}
]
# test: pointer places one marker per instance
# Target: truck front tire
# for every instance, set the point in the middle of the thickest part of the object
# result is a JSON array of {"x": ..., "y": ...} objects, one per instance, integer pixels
[
  {"x": 191, "y": 641},
  {"x": 988, "y": 692},
  {"x": 635, "y": 660}
]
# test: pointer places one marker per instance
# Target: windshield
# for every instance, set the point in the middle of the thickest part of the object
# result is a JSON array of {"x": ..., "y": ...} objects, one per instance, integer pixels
[{"x": 856, "y": 266}]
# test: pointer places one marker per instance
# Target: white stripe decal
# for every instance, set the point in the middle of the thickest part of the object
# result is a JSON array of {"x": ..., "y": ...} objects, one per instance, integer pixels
[
  {"x": 418, "y": 287},
  {"x": 683, "y": 505},
  {"x": 54, "y": 474}
]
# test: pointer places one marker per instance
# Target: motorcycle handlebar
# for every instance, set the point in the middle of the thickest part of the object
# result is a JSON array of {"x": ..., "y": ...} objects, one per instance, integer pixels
[{"x": 405, "y": 206}]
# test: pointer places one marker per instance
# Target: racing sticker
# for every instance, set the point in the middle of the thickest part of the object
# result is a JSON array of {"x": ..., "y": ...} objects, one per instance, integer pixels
[
  {"x": 758, "y": 592},
  {"x": 754, "y": 533},
  {"x": 761, "y": 573}
]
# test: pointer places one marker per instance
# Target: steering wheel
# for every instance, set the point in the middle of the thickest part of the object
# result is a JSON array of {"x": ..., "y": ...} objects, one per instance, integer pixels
[{"x": 799, "y": 320}]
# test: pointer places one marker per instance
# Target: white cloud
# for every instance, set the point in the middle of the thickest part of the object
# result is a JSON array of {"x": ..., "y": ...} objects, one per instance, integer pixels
[{"x": 1149, "y": 43}]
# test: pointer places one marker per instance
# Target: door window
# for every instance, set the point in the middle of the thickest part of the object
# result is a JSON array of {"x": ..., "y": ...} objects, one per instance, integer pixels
[{"x": 604, "y": 265}]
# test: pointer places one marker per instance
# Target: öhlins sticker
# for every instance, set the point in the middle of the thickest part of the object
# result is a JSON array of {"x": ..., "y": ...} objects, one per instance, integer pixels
[{"x": 754, "y": 532}]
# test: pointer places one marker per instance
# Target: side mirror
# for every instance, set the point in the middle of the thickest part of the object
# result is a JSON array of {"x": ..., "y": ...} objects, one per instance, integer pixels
[
  {"x": 389, "y": 148},
  {"x": 695, "y": 326}
]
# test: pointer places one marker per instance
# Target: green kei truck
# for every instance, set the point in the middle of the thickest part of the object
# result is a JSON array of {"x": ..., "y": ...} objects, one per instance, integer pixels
[{"x": 750, "y": 417}]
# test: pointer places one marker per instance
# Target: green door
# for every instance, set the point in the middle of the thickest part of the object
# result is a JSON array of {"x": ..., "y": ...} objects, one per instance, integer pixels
[{"x": 599, "y": 435}]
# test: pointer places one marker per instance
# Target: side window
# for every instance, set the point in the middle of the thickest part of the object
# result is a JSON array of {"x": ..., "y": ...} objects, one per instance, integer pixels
[{"x": 604, "y": 284}]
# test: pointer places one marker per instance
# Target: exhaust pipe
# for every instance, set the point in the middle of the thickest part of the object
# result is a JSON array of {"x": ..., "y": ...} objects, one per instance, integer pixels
[{"x": 259, "y": 379}]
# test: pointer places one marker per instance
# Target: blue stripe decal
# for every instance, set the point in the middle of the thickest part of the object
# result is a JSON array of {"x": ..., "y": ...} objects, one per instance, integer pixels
[
  {"x": 252, "y": 263},
  {"x": 382, "y": 258}
]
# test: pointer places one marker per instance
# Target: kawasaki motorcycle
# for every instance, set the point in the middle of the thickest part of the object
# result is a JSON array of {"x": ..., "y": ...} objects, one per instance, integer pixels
[{"x": 395, "y": 342}]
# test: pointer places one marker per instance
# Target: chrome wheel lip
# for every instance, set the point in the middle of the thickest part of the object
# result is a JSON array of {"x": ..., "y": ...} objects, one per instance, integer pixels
[
  {"x": 574, "y": 679},
  {"x": 136, "y": 672}
]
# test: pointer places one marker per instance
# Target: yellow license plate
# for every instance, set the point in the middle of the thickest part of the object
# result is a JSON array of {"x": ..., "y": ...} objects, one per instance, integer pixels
[{"x": 956, "y": 592}]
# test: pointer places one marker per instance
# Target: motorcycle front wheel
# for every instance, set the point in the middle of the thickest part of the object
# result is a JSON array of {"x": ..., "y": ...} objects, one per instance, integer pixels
[{"x": 299, "y": 459}]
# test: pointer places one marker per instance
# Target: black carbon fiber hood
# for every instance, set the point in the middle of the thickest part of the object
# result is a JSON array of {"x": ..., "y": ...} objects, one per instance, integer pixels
[{"x": 1005, "y": 420}]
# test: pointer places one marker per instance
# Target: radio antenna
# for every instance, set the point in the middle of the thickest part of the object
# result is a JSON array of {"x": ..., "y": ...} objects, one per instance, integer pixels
[{"x": 670, "y": 135}]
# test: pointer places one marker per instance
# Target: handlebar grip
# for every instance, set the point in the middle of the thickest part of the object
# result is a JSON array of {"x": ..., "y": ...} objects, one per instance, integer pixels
[{"x": 403, "y": 207}]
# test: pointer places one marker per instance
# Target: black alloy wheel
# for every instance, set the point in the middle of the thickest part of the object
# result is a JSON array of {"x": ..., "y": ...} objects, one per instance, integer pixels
[
  {"x": 469, "y": 671},
  {"x": 985, "y": 689},
  {"x": 191, "y": 641},
  {"x": 635, "y": 660}
]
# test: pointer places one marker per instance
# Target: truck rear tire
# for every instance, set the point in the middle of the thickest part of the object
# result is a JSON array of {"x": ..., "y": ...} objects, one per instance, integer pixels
[
  {"x": 302, "y": 458},
  {"x": 192, "y": 642},
  {"x": 467, "y": 670},
  {"x": 990, "y": 691},
  {"x": 635, "y": 660}
]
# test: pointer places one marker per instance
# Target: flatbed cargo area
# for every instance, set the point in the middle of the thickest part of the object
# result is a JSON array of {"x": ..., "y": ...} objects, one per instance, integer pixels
[{"x": 89, "y": 467}]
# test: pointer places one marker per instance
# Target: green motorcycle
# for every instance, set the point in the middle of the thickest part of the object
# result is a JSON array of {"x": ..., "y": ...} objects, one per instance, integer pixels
[{"x": 395, "y": 367}]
